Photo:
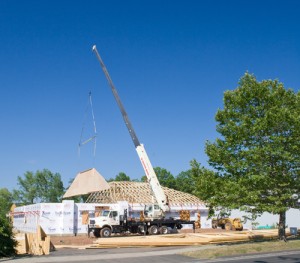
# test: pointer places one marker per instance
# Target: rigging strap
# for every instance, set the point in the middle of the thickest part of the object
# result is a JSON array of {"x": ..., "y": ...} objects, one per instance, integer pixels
[{"x": 94, "y": 136}]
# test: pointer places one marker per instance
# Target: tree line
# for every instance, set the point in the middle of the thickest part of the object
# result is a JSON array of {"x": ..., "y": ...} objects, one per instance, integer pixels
[
  {"x": 45, "y": 186},
  {"x": 254, "y": 162}
]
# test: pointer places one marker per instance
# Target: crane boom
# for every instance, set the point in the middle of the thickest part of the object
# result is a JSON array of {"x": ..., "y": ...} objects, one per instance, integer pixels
[{"x": 149, "y": 171}]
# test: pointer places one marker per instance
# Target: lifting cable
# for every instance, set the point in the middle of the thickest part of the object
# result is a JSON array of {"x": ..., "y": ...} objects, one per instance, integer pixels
[{"x": 94, "y": 136}]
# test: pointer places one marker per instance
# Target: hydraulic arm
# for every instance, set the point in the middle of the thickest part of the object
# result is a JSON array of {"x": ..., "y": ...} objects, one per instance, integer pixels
[{"x": 149, "y": 171}]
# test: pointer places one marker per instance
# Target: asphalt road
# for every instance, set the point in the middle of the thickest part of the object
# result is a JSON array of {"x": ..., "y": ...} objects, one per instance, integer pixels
[{"x": 150, "y": 255}]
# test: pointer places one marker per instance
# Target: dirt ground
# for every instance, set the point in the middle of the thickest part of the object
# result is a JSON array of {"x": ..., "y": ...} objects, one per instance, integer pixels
[{"x": 81, "y": 240}]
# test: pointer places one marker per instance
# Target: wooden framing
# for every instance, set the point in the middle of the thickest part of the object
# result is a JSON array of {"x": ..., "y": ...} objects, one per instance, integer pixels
[{"x": 139, "y": 192}]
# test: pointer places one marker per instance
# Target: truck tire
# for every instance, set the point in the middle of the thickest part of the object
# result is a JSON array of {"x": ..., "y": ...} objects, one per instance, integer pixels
[
  {"x": 228, "y": 226},
  {"x": 105, "y": 232},
  {"x": 179, "y": 226},
  {"x": 96, "y": 232},
  {"x": 214, "y": 226},
  {"x": 141, "y": 230},
  {"x": 163, "y": 230},
  {"x": 153, "y": 230}
]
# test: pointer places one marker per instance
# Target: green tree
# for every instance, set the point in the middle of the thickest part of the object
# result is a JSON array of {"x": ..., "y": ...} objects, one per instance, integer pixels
[
  {"x": 209, "y": 187},
  {"x": 7, "y": 241},
  {"x": 257, "y": 155},
  {"x": 165, "y": 177},
  {"x": 144, "y": 179},
  {"x": 50, "y": 187},
  {"x": 120, "y": 177},
  {"x": 185, "y": 182},
  {"x": 42, "y": 186},
  {"x": 6, "y": 201},
  {"x": 27, "y": 192}
]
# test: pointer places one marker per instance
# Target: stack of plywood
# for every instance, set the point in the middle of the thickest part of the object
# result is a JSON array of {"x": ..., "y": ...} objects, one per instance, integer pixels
[{"x": 34, "y": 243}]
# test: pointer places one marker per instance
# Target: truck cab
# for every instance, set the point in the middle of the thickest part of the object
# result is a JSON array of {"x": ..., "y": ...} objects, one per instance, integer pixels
[
  {"x": 104, "y": 224},
  {"x": 107, "y": 217}
]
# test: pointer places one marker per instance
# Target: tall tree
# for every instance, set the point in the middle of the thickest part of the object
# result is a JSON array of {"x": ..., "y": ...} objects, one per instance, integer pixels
[
  {"x": 7, "y": 241},
  {"x": 165, "y": 177},
  {"x": 42, "y": 186},
  {"x": 258, "y": 152},
  {"x": 27, "y": 192},
  {"x": 50, "y": 187},
  {"x": 6, "y": 201},
  {"x": 185, "y": 182},
  {"x": 121, "y": 176}
]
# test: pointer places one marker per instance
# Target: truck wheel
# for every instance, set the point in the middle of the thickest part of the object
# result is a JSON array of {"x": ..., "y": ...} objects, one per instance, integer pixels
[
  {"x": 153, "y": 230},
  {"x": 141, "y": 230},
  {"x": 163, "y": 230},
  {"x": 214, "y": 226},
  {"x": 96, "y": 232},
  {"x": 228, "y": 226},
  {"x": 105, "y": 232},
  {"x": 179, "y": 226}
]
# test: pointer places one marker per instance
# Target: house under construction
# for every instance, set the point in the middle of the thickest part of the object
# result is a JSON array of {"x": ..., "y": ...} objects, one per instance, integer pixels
[{"x": 140, "y": 193}]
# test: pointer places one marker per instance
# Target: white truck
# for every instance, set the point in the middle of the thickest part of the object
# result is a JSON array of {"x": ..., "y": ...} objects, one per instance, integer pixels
[
  {"x": 116, "y": 221},
  {"x": 154, "y": 214}
]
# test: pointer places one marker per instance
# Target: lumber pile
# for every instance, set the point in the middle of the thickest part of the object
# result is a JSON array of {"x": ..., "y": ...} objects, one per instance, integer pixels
[
  {"x": 185, "y": 215},
  {"x": 34, "y": 243},
  {"x": 186, "y": 239}
]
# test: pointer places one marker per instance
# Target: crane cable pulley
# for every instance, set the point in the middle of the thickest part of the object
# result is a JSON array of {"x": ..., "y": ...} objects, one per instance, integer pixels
[{"x": 94, "y": 136}]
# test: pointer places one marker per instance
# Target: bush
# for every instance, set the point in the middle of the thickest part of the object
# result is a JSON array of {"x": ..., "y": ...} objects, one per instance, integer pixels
[{"x": 7, "y": 241}]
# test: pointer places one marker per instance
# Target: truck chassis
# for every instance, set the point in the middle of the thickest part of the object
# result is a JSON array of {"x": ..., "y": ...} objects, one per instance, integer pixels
[{"x": 159, "y": 226}]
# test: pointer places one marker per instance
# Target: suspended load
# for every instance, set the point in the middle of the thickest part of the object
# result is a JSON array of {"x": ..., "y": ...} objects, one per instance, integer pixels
[{"x": 86, "y": 182}]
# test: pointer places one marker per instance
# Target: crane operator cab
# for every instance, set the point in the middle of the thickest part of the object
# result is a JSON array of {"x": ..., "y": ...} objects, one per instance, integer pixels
[{"x": 153, "y": 211}]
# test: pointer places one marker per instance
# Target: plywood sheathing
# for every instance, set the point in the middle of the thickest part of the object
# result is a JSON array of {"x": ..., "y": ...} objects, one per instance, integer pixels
[
  {"x": 34, "y": 243},
  {"x": 140, "y": 193},
  {"x": 86, "y": 182}
]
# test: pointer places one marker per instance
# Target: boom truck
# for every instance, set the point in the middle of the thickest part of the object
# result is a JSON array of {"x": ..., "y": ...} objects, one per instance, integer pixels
[{"x": 153, "y": 220}]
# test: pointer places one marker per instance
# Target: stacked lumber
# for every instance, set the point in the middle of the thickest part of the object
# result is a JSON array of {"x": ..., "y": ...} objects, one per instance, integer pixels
[
  {"x": 34, "y": 243},
  {"x": 187, "y": 239},
  {"x": 185, "y": 215},
  {"x": 198, "y": 221}
]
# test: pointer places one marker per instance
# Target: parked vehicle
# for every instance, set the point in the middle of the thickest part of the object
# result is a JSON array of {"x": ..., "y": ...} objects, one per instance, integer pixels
[
  {"x": 115, "y": 221},
  {"x": 227, "y": 223}
]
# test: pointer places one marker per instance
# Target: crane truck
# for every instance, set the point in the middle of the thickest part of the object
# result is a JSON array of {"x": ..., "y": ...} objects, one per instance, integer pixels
[{"x": 154, "y": 221}]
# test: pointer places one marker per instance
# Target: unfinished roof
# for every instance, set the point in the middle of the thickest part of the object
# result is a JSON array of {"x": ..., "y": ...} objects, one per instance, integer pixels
[
  {"x": 86, "y": 182},
  {"x": 139, "y": 193}
]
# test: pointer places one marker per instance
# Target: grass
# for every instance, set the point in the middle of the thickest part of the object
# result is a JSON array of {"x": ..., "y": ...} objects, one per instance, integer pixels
[{"x": 244, "y": 248}]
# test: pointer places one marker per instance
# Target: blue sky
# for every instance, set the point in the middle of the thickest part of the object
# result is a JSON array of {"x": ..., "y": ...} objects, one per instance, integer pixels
[{"x": 171, "y": 62}]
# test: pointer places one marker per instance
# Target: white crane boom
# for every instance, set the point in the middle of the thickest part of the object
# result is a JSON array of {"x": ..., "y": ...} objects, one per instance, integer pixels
[{"x": 150, "y": 173}]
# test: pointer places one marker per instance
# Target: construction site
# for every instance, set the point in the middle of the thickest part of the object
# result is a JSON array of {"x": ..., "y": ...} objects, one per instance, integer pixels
[{"x": 125, "y": 213}]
